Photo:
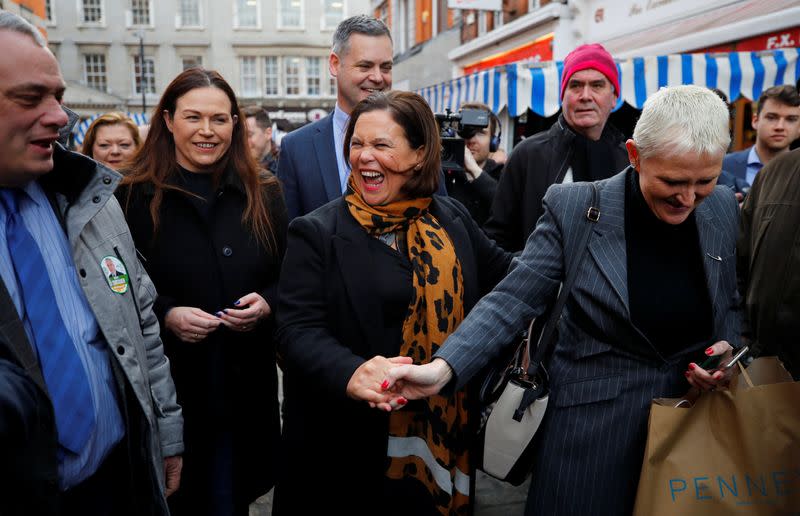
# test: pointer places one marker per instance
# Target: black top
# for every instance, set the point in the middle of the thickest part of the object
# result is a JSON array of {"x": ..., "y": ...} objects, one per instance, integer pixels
[
  {"x": 393, "y": 285},
  {"x": 201, "y": 185},
  {"x": 667, "y": 291},
  {"x": 592, "y": 160}
]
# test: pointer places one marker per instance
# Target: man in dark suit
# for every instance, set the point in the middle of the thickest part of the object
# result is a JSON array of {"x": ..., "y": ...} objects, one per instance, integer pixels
[
  {"x": 312, "y": 166},
  {"x": 777, "y": 125}
]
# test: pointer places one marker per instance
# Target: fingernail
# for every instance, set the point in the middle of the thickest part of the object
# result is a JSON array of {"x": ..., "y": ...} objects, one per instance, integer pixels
[
  {"x": 236, "y": 303},
  {"x": 709, "y": 351},
  {"x": 219, "y": 314},
  {"x": 691, "y": 367},
  {"x": 388, "y": 409},
  {"x": 385, "y": 385},
  {"x": 402, "y": 401},
  {"x": 226, "y": 310},
  {"x": 686, "y": 374}
]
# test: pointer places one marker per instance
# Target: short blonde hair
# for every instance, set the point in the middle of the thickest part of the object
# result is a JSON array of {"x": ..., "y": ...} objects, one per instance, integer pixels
[
  {"x": 112, "y": 118},
  {"x": 683, "y": 120}
]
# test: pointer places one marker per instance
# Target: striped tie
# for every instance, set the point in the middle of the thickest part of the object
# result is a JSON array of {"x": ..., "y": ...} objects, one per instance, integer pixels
[{"x": 63, "y": 371}]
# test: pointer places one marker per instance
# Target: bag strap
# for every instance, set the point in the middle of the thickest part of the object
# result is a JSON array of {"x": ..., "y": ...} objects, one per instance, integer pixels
[{"x": 547, "y": 340}]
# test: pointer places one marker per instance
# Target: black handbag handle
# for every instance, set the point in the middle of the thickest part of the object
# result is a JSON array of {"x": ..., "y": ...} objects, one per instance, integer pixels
[{"x": 547, "y": 340}]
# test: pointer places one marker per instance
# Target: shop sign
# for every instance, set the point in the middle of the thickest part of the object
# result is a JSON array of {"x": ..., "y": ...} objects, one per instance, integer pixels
[
  {"x": 611, "y": 18},
  {"x": 480, "y": 5},
  {"x": 786, "y": 38}
]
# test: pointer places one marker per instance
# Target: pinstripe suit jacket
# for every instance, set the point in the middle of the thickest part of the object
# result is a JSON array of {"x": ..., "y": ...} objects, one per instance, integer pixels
[{"x": 604, "y": 372}]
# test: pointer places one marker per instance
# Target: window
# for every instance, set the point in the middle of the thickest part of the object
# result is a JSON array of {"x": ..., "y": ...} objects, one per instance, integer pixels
[
  {"x": 246, "y": 14},
  {"x": 189, "y": 13},
  {"x": 291, "y": 70},
  {"x": 313, "y": 76},
  {"x": 334, "y": 13},
  {"x": 140, "y": 12},
  {"x": 249, "y": 75},
  {"x": 482, "y": 22},
  {"x": 92, "y": 11},
  {"x": 149, "y": 76},
  {"x": 271, "y": 76},
  {"x": 498, "y": 19},
  {"x": 191, "y": 62},
  {"x": 94, "y": 71},
  {"x": 290, "y": 14},
  {"x": 49, "y": 13}
]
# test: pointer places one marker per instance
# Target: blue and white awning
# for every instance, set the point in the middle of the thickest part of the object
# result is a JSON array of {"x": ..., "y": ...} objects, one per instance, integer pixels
[
  {"x": 536, "y": 86},
  {"x": 80, "y": 129}
]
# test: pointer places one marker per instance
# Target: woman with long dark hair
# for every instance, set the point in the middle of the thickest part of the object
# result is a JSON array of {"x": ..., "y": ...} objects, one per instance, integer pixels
[{"x": 211, "y": 228}]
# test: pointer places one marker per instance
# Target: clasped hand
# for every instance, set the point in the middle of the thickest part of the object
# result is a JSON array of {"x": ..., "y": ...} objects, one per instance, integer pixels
[{"x": 388, "y": 383}]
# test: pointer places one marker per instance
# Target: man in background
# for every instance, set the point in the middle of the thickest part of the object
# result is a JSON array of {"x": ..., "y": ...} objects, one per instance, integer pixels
[
  {"x": 777, "y": 125},
  {"x": 259, "y": 138},
  {"x": 312, "y": 165},
  {"x": 580, "y": 146}
]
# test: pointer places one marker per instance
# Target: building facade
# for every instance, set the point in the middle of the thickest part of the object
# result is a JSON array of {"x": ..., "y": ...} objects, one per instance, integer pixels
[{"x": 121, "y": 54}]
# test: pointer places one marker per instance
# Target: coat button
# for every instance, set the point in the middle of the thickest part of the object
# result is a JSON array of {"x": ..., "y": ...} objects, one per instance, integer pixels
[
  {"x": 120, "y": 350},
  {"x": 82, "y": 272},
  {"x": 96, "y": 199},
  {"x": 227, "y": 251},
  {"x": 106, "y": 180}
]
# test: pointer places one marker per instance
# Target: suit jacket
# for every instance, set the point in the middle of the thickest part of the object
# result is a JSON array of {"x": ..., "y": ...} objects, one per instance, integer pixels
[
  {"x": 736, "y": 164},
  {"x": 330, "y": 322},
  {"x": 28, "y": 470},
  {"x": 603, "y": 371},
  {"x": 81, "y": 194},
  {"x": 307, "y": 168}
]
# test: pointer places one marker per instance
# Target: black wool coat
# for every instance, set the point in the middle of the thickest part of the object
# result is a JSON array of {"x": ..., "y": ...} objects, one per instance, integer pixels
[
  {"x": 226, "y": 383},
  {"x": 331, "y": 321}
]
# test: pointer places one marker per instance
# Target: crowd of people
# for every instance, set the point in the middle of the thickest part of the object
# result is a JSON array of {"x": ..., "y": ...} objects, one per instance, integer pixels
[{"x": 150, "y": 283}]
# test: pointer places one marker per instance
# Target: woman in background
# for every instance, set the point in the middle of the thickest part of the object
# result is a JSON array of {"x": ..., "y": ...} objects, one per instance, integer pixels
[{"x": 112, "y": 139}]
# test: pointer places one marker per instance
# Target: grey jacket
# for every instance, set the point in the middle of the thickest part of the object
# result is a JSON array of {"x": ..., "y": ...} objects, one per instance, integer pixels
[
  {"x": 81, "y": 192},
  {"x": 603, "y": 371}
]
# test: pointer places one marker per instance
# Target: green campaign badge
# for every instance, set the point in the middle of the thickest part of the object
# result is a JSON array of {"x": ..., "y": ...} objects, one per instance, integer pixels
[{"x": 115, "y": 273}]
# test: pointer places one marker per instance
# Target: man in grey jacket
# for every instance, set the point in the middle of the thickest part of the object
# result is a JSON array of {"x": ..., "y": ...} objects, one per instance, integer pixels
[{"x": 89, "y": 342}]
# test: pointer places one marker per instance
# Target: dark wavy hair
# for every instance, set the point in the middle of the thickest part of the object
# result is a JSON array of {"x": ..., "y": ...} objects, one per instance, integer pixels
[
  {"x": 412, "y": 113},
  {"x": 150, "y": 166}
]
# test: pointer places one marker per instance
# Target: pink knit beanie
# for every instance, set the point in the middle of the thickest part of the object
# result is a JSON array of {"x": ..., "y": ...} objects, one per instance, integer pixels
[{"x": 590, "y": 56}]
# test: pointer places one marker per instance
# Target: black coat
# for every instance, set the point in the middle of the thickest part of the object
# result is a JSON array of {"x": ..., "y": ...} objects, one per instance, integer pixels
[
  {"x": 535, "y": 164},
  {"x": 227, "y": 383},
  {"x": 330, "y": 322}
]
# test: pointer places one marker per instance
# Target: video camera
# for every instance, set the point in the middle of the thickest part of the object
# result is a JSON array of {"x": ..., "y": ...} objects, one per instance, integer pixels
[{"x": 454, "y": 128}]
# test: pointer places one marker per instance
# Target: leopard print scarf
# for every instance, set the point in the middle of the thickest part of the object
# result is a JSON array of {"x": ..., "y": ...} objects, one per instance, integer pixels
[{"x": 428, "y": 442}]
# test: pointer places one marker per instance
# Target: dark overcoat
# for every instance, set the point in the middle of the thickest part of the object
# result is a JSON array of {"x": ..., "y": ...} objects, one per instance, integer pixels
[
  {"x": 330, "y": 322},
  {"x": 227, "y": 383}
]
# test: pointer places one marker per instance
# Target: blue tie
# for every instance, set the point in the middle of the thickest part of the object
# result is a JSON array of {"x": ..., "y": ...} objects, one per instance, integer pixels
[{"x": 63, "y": 371}]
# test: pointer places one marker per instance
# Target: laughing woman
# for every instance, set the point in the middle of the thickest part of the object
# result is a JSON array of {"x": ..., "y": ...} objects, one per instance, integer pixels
[
  {"x": 211, "y": 229},
  {"x": 389, "y": 270}
]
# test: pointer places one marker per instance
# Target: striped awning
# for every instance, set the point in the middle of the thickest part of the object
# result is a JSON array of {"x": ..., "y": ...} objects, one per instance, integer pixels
[
  {"x": 536, "y": 86},
  {"x": 79, "y": 131}
]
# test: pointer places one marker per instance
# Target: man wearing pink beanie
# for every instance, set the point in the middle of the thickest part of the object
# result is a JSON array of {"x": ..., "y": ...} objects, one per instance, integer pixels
[{"x": 580, "y": 146}]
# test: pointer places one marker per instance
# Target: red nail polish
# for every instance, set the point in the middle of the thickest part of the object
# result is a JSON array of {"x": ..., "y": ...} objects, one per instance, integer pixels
[
  {"x": 385, "y": 385},
  {"x": 691, "y": 367},
  {"x": 709, "y": 351},
  {"x": 402, "y": 401}
]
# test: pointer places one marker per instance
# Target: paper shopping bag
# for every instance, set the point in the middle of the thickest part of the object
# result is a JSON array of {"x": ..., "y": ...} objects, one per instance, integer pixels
[{"x": 735, "y": 451}]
